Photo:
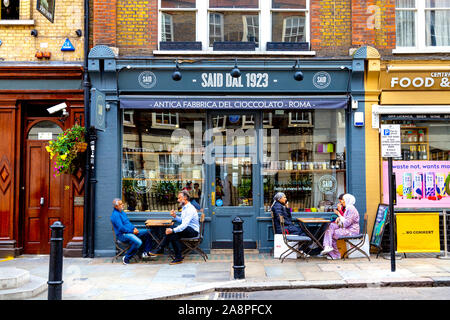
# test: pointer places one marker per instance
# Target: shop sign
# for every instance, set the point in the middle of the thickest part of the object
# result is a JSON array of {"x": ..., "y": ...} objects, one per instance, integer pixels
[
  {"x": 418, "y": 232},
  {"x": 419, "y": 184},
  {"x": 390, "y": 141},
  {"x": 416, "y": 81},
  {"x": 98, "y": 114},
  {"x": 428, "y": 117},
  {"x": 222, "y": 81},
  {"x": 327, "y": 184},
  {"x": 231, "y": 103},
  {"x": 47, "y": 8}
]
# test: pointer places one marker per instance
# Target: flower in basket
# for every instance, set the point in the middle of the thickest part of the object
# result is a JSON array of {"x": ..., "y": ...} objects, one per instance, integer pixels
[{"x": 66, "y": 148}]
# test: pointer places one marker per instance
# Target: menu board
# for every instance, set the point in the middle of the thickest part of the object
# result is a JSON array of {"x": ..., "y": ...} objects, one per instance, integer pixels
[{"x": 381, "y": 219}]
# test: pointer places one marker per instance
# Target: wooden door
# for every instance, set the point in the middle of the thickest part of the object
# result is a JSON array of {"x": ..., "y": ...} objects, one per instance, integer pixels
[{"x": 44, "y": 192}]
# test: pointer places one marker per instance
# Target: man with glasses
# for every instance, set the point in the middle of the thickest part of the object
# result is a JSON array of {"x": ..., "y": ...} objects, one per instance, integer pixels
[{"x": 128, "y": 233}]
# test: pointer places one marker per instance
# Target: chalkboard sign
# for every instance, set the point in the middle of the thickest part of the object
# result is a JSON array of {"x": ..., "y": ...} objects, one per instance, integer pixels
[{"x": 381, "y": 219}]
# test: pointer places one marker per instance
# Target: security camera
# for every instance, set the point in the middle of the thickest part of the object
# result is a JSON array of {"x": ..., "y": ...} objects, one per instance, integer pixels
[{"x": 58, "y": 107}]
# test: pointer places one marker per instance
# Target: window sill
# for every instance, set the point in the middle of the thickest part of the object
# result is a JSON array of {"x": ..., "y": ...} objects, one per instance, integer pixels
[
  {"x": 421, "y": 50},
  {"x": 234, "y": 53},
  {"x": 16, "y": 22}
]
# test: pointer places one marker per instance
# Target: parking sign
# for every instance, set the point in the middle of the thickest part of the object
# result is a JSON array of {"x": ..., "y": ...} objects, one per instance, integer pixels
[{"x": 390, "y": 141}]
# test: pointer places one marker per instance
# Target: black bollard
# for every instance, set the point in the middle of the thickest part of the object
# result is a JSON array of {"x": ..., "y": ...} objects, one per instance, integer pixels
[
  {"x": 56, "y": 262},
  {"x": 238, "y": 249}
]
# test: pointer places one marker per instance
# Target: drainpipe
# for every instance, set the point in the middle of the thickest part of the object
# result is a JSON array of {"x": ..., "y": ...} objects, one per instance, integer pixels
[{"x": 86, "y": 86}]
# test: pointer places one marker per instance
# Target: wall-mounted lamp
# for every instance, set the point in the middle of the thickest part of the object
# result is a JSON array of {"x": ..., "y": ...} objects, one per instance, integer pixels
[
  {"x": 235, "y": 72},
  {"x": 34, "y": 33},
  {"x": 298, "y": 75},
  {"x": 176, "y": 75},
  {"x": 78, "y": 32}
]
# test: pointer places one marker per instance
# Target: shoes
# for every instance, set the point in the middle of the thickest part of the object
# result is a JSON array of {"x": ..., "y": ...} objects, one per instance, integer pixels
[
  {"x": 125, "y": 261},
  {"x": 144, "y": 255},
  {"x": 313, "y": 246},
  {"x": 151, "y": 254},
  {"x": 326, "y": 250},
  {"x": 329, "y": 258},
  {"x": 176, "y": 261},
  {"x": 304, "y": 255}
]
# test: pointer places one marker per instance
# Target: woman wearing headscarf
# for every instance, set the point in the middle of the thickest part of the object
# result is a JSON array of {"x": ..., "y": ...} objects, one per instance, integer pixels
[
  {"x": 346, "y": 225},
  {"x": 280, "y": 208}
]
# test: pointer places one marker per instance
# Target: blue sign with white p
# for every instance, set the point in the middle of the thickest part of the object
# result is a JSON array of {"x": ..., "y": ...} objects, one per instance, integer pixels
[{"x": 387, "y": 132}]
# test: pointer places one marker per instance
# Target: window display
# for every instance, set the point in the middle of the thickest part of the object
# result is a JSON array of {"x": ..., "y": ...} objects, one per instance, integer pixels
[
  {"x": 423, "y": 171},
  {"x": 304, "y": 158},
  {"x": 161, "y": 156}
]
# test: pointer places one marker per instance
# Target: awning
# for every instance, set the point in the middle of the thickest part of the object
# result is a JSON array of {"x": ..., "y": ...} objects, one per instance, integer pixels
[
  {"x": 412, "y": 112},
  {"x": 227, "y": 102}
]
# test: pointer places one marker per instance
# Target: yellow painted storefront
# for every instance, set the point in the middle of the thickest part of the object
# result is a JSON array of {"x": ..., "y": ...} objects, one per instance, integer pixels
[{"x": 409, "y": 86}]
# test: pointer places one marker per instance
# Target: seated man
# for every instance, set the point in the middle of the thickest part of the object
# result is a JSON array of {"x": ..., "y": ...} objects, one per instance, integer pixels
[
  {"x": 188, "y": 228},
  {"x": 127, "y": 232}
]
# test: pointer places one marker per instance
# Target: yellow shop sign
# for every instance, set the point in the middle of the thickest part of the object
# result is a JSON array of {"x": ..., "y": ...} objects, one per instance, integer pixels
[{"x": 418, "y": 232}]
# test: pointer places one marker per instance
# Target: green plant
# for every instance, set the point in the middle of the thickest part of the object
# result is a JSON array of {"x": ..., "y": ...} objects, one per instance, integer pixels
[{"x": 66, "y": 148}]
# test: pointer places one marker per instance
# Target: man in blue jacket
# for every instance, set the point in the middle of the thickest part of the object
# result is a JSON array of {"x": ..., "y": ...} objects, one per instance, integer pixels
[{"x": 127, "y": 232}]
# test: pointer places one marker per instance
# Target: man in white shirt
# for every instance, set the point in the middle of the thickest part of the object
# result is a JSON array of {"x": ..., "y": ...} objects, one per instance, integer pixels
[{"x": 188, "y": 228}]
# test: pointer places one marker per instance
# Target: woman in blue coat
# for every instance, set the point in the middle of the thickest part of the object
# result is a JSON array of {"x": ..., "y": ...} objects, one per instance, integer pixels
[{"x": 280, "y": 208}]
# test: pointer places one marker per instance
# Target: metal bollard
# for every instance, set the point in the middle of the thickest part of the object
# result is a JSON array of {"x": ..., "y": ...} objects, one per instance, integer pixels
[
  {"x": 56, "y": 262},
  {"x": 238, "y": 249}
]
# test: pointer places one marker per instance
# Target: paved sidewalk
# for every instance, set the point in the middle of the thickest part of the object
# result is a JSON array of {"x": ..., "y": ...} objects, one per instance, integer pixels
[{"x": 98, "y": 278}]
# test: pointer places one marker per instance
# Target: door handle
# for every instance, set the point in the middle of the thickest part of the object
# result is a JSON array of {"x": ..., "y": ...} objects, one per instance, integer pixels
[{"x": 42, "y": 201}]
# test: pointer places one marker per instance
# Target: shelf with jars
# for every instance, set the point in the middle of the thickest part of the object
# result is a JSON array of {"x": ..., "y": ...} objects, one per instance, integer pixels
[{"x": 414, "y": 143}]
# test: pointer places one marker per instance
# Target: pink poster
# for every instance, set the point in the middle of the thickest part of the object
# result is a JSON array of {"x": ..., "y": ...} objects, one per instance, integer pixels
[{"x": 420, "y": 184}]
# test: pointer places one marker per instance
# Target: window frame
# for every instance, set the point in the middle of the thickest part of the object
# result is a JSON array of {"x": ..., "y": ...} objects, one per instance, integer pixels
[
  {"x": 264, "y": 12},
  {"x": 420, "y": 10}
]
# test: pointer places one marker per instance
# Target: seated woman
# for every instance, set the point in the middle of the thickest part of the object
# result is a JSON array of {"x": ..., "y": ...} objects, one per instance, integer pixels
[
  {"x": 346, "y": 225},
  {"x": 280, "y": 207}
]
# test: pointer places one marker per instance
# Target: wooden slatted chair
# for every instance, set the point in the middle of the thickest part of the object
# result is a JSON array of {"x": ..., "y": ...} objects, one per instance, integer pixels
[{"x": 193, "y": 244}]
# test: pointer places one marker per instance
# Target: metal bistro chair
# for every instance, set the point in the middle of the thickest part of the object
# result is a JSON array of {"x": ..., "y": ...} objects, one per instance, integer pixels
[
  {"x": 360, "y": 244},
  {"x": 289, "y": 239},
  {"x": 193, "y": 244},
  {"x": 120, "y": 247}
]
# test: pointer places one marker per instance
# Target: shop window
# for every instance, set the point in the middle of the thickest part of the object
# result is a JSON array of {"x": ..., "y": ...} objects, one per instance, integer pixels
[
  {"x": 10, "y": 9},
  {"x": 304, "y": 157},
  {"x": 423, "y": 24},
  {"x": 423, "y": 169},
  {"x": 161, "y": 154},
  {"x": 234, "y": 21}
]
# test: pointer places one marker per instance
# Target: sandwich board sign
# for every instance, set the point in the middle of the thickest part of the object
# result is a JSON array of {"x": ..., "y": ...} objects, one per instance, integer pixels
[{"x": 390, "y": 141}]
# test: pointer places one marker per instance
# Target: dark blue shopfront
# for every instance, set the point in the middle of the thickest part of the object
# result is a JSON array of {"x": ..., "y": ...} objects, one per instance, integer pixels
[{"x": 231, "y": 142}]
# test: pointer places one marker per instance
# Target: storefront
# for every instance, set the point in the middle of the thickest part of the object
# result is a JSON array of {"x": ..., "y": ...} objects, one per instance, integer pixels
[
  {"x": 232, "y": 142},
  {"x": 416, "y": 96},
  {"x": 32, "y": 198}
]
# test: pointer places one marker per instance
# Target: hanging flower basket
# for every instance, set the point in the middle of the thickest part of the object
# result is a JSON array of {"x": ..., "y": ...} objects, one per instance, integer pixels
[{"x": 66, "y": 150}]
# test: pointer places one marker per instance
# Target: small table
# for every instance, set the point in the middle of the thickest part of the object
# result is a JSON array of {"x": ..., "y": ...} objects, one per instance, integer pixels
[
  {"x": 158, "y": 223},
  {"x": 321, "y": 231}
]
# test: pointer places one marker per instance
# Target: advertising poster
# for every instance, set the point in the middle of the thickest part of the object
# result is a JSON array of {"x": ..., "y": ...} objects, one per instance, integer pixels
[
  {"x": 419, "y": 184},
  {"x": 47, "y": 8},
  {"x": 418, "y": 232}
]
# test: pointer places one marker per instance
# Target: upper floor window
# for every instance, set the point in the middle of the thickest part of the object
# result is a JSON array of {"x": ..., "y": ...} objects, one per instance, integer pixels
[
  {"x": 257, "y": 21},
  {"x": 10, "y": 9},
  {"x": 423, "y": 24}
]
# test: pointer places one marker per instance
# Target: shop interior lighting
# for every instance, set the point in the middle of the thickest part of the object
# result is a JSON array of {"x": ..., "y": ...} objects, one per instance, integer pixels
[
  {"x": 235, "y": 72},
  {"x": 176, "y": 75},
  {"x": 298, "y": 75}
]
